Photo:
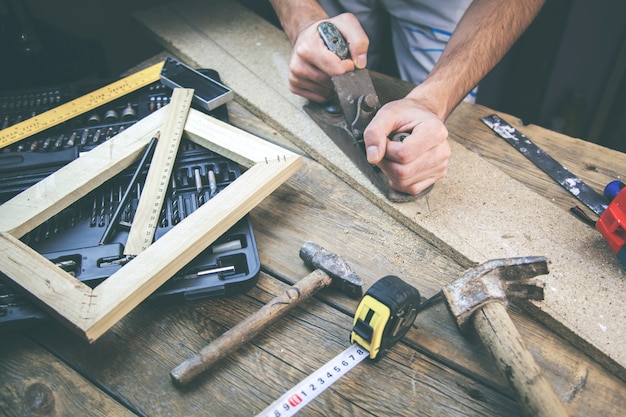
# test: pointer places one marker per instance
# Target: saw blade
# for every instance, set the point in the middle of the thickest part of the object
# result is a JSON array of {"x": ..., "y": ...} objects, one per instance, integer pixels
[{"x": 577, "y": 187}]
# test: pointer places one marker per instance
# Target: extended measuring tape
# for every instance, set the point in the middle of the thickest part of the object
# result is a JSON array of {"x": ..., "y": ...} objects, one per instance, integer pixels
[
  {"x": 80, "y": 105},
  {"x": 384, "y": 315}
]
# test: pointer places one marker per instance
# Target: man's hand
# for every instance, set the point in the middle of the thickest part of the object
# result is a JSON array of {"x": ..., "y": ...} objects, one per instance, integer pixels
[
  {"x": 312, "y": 65},
  {"x": 421, "y": 158}
]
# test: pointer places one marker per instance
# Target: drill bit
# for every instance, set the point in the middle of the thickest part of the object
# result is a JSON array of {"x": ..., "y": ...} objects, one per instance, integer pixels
[
  {"x": 199, "y": 191},
  {"x": 46, "y": 143},
  {"x": 59, "y": 141},
  {"x": 92, "y": 222},
  {"x": 72, "y": 139},
  {"x": 212, "y": 184},
  {"x": 96, "y": 136},
  {"x": 102, "y": 211},
  {"x": 84, "y": 137},
  {"x": 175, "y": 203}
]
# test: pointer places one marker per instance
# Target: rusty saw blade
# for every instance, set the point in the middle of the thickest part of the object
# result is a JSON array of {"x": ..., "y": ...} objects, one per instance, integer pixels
[
  {"x": 359, "y": 103},
  {"x": 577, "y": 187}
]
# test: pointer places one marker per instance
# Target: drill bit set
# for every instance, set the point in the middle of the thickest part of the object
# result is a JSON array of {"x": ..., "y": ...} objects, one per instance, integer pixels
[{"x": 87, "y": 238}]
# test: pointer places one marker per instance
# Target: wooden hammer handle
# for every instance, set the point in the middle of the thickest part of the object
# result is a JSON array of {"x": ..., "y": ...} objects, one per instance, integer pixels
[
  {"x": 250, "y": 327},
  {"x": 501, "y": 338}
]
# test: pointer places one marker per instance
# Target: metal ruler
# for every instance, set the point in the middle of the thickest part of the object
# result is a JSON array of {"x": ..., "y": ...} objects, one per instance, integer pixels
[
  {"x": 79, "y": 105},
  {"x": 146, "y": 219},
  {"x": 577, "y": 187},
  {"x": 299, "y": 396}
]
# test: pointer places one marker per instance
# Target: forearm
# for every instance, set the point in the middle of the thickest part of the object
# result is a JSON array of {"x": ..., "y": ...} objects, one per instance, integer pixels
[
  {"x": 483, "y": 36},
  {"x": 295, "y": 15}
]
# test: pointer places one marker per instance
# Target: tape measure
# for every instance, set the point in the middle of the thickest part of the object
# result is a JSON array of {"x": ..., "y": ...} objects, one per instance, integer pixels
[
  {"x": 384, "y": 315},
  {"x": 80, "y": 105}
]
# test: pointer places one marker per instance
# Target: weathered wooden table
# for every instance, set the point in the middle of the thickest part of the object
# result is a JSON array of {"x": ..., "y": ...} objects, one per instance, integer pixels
[{"x": 434, "y": 371}]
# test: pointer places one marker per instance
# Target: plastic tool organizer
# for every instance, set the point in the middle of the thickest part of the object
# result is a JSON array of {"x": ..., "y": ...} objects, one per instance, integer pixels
[{"x": 73, "y": 238}]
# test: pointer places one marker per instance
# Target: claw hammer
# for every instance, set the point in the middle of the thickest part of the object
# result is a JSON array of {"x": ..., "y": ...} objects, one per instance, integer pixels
[{"x": 479, "y": 297}]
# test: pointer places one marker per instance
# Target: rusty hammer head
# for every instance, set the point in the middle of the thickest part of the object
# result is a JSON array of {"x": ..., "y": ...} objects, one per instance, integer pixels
[
  {"x": 493, "y": 281},
  {"x": 334, "y": 266}
]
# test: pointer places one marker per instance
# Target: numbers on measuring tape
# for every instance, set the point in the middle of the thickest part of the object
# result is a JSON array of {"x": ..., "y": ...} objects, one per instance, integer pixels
[{"x": 300, "y": 395}]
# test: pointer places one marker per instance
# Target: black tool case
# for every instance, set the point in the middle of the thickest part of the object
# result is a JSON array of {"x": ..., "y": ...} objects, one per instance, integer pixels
[{"x": 72, "y": 239}]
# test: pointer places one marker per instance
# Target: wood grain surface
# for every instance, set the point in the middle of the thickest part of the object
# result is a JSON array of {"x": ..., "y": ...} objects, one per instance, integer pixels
[
  {"x": 474, "y": 214},
  {"x": 434, "y": 371}
]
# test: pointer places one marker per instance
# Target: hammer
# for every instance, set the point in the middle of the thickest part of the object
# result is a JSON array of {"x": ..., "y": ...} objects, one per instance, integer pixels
[
  {"x": 330, "y": 270},
  {"x": 480, "y": 297}
]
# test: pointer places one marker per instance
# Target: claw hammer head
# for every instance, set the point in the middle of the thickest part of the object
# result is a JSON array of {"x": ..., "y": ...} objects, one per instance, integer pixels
[
  {"x": 334, "y": 266},
  {"x": 495, "y": 281}
]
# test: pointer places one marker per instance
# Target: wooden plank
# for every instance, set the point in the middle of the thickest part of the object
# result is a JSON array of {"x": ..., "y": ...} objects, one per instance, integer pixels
[
  {"x": 92, "y": 312},
  {"x": 36, "y": 383},
  {"x": 230, "y": 141},
  {"x": 473, "y": 214}
]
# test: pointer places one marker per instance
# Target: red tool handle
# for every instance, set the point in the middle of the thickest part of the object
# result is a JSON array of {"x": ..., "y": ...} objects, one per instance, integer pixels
[{"x": 612, "y": 223}]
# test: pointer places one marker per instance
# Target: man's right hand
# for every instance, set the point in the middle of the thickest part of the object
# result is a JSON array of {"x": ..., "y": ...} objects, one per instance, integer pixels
[{"x": 311, "y": 64}]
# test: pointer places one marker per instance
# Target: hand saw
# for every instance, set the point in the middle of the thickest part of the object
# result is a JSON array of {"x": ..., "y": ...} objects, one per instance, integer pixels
[
  {"x": 358, "y": 104},
  {"x": 577, "y": 187}
]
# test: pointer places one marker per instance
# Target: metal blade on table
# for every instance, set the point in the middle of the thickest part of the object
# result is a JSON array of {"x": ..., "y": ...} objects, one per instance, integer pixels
[{"x": 577, "y": 187}]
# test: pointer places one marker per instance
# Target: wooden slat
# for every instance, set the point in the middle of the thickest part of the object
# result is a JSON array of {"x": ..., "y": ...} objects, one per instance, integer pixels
[
  {"x": 43, "y": 200},
  {"x": 231, "y": 142},
  {"x": 91, "y": 313}
]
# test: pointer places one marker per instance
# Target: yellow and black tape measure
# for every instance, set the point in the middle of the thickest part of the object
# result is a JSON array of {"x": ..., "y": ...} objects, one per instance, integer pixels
[
  {"x": 80, "y": 105},
  {"x": 386, "y": 312},
  {"x": 384, "y": 315}
]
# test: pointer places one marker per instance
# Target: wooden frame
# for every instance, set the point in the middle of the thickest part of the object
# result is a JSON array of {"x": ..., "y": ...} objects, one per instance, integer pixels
[{"x": 91, "y": 312}]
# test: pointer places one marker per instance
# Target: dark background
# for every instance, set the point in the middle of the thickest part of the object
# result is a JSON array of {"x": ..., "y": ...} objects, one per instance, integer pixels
[{"x": 566, "y": 73}]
